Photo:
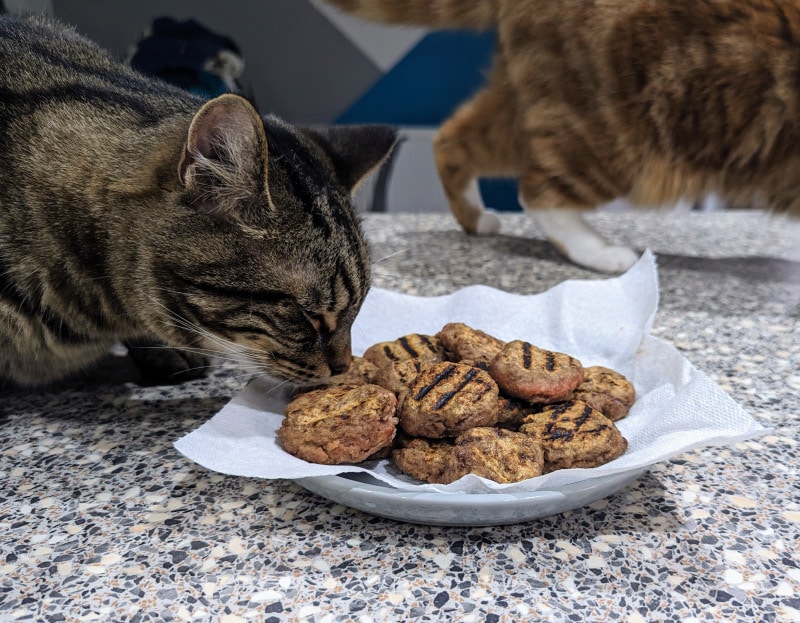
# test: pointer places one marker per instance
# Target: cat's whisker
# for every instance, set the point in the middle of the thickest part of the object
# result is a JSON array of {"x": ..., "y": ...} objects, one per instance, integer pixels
[
  {"x": 244, "y": 378},
  {"x": 249, "y": 365},
  {"x": 181, "y": 292},
  {"x": 274, "y": 388},
  {"x": 178, "y": 321},
  {"x": 246, "y": 375},
  {"x": 362, "y": 332},
  {"x": 374, "y": 305},
  {"x": 239, "y": 362},
  {"x": 391, "y": 255},
  {"x": 241, "y": 285},
  {"x": 211, "y": 366},
  {"x": 369, "y": 230},
  {"x": 229, "y": 354},
  {"x": 224, "y": 345}
]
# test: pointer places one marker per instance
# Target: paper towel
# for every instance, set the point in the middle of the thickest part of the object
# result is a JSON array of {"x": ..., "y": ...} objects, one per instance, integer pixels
[{"x": 600, "y": 322}]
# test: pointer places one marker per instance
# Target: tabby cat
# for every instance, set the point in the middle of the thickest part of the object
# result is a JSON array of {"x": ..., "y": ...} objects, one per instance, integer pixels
[
  {"x": 132, "y": 211},
  {"x": 592, "y": 100}
]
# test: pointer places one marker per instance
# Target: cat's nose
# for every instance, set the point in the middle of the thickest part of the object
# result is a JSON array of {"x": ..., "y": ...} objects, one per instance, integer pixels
[
  {"x": 339, "y": 365},
  {"x": 338, "y": 354}
]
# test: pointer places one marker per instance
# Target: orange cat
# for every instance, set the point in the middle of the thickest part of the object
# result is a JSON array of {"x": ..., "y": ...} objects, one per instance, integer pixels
[{"x": 589, "y": 101}]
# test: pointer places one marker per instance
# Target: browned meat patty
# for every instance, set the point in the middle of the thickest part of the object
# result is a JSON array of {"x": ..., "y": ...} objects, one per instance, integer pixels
[
  {"x": 448, "y": 398},
  {"x": 360, "y": 372},
  {"x": 412, "y": 346},
  {"x": 424, "y": 459},
  {"x": 492, "y": 453},
  {"x": 573, "y": 434},
  {"x": 524, "y": 371},
  {"x": 496, "y": 454},
  {"x": 462, "y": 343},
  {"x": 607, "y": 391},
  {"x": 399, "y": 375},
  {"x": 339, "y": 424},
  {"x": 513, "y": 411}
]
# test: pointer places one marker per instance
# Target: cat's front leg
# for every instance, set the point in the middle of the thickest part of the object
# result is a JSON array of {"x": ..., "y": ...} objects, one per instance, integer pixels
[
  {"x": 476, "y": 141},
  {"x": 566, "y": 229},
  {"x": 487, "y": 221},
  {"x": 162, "y": 365}
]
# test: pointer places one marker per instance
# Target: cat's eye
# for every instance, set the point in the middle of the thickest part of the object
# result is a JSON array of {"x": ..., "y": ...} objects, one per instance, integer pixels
[
  {"x": 319, "y": 323},
  {"x": 308, "y": 315},
  {"x": 316, "y": 321}
]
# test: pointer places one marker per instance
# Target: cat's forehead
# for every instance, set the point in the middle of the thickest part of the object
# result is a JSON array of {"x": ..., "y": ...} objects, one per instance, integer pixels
[{"x": 327, "y": 288}]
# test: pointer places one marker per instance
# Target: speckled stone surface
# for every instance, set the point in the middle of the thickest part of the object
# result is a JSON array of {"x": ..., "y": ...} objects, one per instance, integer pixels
[{"x": 102, "y": 520}]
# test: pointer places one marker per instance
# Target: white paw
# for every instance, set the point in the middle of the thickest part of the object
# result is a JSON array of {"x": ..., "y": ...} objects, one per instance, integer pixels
[
  {"x": 488, "y": 223},
  {"x": 606, "y": 259}
]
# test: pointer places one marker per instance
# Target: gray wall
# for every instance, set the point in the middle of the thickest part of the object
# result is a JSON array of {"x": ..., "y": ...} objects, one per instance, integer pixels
[{"x": 297, "y": 63}]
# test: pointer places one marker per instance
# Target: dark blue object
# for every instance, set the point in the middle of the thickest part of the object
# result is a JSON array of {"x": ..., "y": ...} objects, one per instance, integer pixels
[
  {"x": 441, "y": 72},
  {"x": 179, "y": 52},
  {"x": 500, "y": 194}
]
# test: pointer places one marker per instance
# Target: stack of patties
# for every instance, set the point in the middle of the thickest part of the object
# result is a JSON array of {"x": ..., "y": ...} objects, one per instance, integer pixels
[{"x": 466, "y": 402}]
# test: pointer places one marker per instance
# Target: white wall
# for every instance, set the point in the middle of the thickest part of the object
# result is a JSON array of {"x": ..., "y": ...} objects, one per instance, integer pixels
[{"x": 414, "y": 185}]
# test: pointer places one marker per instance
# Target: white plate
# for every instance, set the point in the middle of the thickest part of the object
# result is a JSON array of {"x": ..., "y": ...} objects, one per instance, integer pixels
[
  {"x": 368, "y": 494},
  {"x": 600, "y": 322}
]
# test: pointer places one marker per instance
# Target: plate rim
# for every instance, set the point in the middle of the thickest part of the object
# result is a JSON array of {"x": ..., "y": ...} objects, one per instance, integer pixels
[{"x": 347, "y": 485}]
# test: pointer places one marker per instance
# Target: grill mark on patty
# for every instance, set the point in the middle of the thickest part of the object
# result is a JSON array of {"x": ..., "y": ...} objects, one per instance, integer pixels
[
  {"x": 403, "y": 341},
  {"x": 583, "y": 417},
  {"x": 427, "y": 341},
  {"x": 561, "y": 409},
  {"x": 550, "y": 364},
  {"x": 552, "y": 431},
  {"x": 446, "y": 397},
  {"x": 387, "y": 350},
  {"x": 555, "y": 432},
  {"x": 558, "y": 433},
  {"x": 444, "y": 374},
  {"x": 526, "y": 355},
  {"x": 413, "y": 349}
]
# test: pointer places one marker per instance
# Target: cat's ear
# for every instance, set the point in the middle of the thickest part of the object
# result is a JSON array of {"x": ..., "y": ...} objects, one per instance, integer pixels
[
  {"x": 225, "y": 157},
  {"x": 356, "y": 150}
]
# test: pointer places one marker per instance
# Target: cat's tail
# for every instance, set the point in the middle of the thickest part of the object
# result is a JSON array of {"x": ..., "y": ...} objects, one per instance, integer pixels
[{"x": 475, "y": 14}]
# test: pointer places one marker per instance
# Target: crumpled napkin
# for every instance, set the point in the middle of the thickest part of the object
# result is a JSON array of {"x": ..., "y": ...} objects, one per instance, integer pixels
[{"x": 601, "y": 322}]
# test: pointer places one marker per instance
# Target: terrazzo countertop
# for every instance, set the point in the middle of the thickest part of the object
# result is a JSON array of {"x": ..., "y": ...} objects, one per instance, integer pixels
[{"x": 102, "y": 519}]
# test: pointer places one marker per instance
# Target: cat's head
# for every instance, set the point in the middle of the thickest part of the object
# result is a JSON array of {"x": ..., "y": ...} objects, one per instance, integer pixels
[{"x": 270, "y": 265}]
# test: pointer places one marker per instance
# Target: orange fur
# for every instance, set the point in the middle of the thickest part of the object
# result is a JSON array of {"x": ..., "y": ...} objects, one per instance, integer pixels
[{"x": 655, "y": 101}]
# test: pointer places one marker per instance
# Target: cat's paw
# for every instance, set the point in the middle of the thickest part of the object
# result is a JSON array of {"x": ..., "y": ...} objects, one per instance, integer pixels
[
  {"x": 488, "y": 224},
  {"x": 161, "y": 365},
  {"x": 609, "y": 259}
]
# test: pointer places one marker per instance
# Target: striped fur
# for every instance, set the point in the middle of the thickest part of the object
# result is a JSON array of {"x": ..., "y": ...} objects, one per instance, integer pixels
[
  {"x": 433, "y": 13},
  {"x": 589, "y": 101},
  {"x": 133, "y": 211}
]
